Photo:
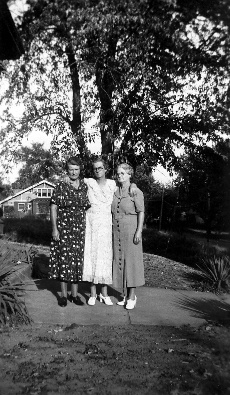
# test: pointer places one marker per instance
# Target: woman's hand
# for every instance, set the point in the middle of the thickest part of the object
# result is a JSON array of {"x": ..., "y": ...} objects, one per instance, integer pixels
[
  {"x": 65, "y": 179},
  {"x": 137, "y": 237},
  {"x": 55, "y": 235},
  {"x": 133, "y": 190}
]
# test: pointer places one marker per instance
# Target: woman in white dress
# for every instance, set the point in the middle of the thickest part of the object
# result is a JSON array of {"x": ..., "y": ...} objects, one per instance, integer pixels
[{"x": 98, "y": 237}]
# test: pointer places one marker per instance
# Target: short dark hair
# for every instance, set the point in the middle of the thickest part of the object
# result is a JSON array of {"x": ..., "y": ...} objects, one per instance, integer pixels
[{"x": 73, "y": 160}]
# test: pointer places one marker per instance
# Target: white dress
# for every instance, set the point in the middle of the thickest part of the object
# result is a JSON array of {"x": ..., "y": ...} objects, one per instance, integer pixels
[{"x": 98, "y": 236}]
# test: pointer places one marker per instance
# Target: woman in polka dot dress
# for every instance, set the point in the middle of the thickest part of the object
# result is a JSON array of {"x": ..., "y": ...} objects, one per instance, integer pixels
[{"x": 68, "y": 205}]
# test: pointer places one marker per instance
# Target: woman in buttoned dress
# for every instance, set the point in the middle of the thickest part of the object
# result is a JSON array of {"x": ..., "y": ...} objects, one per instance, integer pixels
[{"x": 128, "y": 218}]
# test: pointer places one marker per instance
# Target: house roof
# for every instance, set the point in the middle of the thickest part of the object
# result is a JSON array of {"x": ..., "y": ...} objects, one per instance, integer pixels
[
  {"x": 11, "y": 46},
  {"x": 27, "y": 189}
]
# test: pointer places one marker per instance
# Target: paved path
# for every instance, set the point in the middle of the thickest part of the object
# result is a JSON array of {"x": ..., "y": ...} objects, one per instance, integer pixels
[{"x": 162, "y": 307}]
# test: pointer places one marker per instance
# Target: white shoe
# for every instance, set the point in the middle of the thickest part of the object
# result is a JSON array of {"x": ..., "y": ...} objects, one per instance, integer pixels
[
  {"x": 122, "y": 302},
  {"x": 106, "y": 300},
  {"x": 131, "y": 303},
  {"x": 92, "y": 300}
]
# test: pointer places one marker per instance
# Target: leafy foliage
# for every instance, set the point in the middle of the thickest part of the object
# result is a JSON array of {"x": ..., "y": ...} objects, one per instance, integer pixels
[
  {"x": 29, "y": 229},
  {"x": 215, "y": 269},
  {"x": 203, "y": 184},
  {"x": 155, "y": 74},
  {"x": 171, "y": 245},
  {"x": 11, "y": 289},
  {"x": 9, "y": 212},
  {"x": 37, "y": 164}
]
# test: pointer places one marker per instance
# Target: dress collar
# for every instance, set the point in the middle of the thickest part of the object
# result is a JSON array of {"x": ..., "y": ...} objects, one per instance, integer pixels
[{"x": 122, "y": 193}]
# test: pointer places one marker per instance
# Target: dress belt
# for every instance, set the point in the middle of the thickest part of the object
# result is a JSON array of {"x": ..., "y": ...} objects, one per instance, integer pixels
[{"x": 119, "y": 216}]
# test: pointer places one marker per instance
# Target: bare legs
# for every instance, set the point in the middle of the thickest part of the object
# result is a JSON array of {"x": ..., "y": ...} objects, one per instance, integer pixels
[
  {"x": 131, "y": 293},
  {"x": 63, "y": 289},
  {"x": 74, "y": 289},
  {"x": 103, "y": 290}
]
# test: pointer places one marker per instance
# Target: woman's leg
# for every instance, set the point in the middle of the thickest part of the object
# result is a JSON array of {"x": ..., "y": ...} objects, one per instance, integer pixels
[
  {"x": 63, "y": 289},
  {"x": 104, "y": 290},
  {"x": 74, "y": 289},
  {"x": 93, "y": 290},
  {"x": 131, "y": 293}
]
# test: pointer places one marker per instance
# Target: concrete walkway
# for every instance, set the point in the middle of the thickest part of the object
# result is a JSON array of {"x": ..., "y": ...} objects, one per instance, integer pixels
[{"x": 162, "y": 307}]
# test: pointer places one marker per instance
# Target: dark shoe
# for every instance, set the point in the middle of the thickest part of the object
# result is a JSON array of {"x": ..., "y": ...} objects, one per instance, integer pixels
[
  {"x": 62, "y": 301},
  {"x": 76, "y": 300}
]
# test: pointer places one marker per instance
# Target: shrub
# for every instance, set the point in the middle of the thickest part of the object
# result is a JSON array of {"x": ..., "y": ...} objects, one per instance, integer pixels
[
  {"x": 171, "y": 245},
  {"x": 215, "y": 270},
  {"x": 11, "y": 289},
  {"x": 9, "y": 211},
  {"x": 29, "y": 229}
]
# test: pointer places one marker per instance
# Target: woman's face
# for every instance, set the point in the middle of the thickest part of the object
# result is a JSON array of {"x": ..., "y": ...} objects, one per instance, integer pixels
[
  {"x": 122, "y": 175},
  {"x": 73, "y": 171},
  {"x": 99, "y": 169}
]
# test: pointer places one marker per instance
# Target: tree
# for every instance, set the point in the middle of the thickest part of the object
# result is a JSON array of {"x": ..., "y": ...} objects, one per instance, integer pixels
[
  {"x": 38, "y": 164},
  {"x": 136, "y": 63},
  {"x": 204, "y": 184},
  {"x": 5, "y": 190}
]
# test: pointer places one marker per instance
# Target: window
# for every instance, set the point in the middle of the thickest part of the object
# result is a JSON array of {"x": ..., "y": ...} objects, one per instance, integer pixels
[
  {"x": 44, "y": 192},
  {"x": 21, "y": 206},
  {"x": 29, "y": 205}
]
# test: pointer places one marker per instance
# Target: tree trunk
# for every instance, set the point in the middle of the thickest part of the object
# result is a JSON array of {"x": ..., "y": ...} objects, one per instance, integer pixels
[
  {"x": 105, "y": 84},
  {"x": 76, "y": 112}
]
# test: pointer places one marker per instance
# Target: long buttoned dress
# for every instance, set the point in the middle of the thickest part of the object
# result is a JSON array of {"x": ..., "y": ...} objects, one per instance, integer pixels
[
  {"x": 67, "y": 254},
  {"x": 128, "y": 267},
  {"x": 98, "y": 238}
]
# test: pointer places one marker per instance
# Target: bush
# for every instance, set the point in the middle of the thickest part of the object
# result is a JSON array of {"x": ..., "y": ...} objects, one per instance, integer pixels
[
  {"x": 12, "y": 290},
  {"x": 9, "y": 212},
  {"x": 215, "y": 270},
  {"x": 171, "y": 245},
  {"x": 29, "y": 229}
]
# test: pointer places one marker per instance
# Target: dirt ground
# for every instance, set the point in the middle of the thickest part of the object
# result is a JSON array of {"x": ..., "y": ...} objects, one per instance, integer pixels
[
  {"x": 118, "y": 360},
  {"x": 115, "y": 360}
]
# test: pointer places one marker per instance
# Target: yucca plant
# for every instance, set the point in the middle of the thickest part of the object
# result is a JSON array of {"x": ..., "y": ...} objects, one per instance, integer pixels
[
  {"x": 215, "y": 269},
  {"x": 12, "y": 289}
]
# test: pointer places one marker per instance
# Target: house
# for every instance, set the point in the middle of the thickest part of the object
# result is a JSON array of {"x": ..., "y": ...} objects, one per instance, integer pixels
[{"x": 33, "y": 200}]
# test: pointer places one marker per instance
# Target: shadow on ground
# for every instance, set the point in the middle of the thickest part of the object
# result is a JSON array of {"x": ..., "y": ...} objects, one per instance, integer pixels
[
  {"x": 54, "y": 287},
  {"x": 210, "y": 310}
]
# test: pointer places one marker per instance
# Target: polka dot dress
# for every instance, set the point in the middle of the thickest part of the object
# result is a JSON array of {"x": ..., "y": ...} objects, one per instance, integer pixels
[{"x": 67, "y": 254}]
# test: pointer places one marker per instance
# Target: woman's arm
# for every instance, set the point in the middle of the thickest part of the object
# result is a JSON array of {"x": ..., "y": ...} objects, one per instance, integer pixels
[
  {"x": 140, "y": 222},
  {"x": 53, "y": 218}
]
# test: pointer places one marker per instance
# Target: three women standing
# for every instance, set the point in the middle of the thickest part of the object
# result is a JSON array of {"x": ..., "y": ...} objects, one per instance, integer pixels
[{"x": 81, "y": 248}]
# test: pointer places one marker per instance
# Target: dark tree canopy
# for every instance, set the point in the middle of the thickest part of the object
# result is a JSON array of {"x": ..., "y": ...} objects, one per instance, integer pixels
[
  {"x": 204, "y": 183},
  {"x": 153, "y": 73}
]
